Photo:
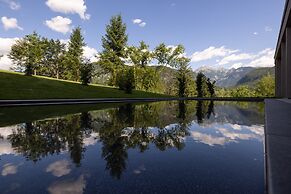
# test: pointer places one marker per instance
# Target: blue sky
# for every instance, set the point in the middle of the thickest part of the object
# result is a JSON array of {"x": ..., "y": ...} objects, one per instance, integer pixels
[{"x": 224, "y": 33}]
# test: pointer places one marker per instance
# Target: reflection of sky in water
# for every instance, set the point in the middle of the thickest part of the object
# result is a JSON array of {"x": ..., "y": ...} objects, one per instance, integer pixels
[
  {"x": 180, "y": 157},
  {"x": 221, "y": 134}
]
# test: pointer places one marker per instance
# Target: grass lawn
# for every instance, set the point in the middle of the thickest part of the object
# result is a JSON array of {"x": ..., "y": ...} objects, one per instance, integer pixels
[{"x": 16, "y": 86}]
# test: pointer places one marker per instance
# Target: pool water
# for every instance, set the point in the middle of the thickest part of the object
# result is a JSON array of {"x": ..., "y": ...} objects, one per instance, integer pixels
[{"x": 162, "y": 147}]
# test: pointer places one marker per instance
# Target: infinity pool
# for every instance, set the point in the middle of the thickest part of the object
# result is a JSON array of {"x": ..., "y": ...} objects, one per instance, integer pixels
[{"x": 163, "y": 147}]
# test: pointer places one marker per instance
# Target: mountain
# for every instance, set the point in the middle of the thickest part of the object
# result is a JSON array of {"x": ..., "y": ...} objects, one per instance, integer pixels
[
  {"x": 225, "y": 77},
  {"x": 255, "y": 75}
]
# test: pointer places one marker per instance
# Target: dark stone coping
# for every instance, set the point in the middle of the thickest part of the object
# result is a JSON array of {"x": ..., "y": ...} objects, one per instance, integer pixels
[{"x": 38, "y": 102}]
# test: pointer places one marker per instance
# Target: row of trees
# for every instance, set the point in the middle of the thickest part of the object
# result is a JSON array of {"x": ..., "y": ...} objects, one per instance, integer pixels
[
  {"x": 129, "y": 67},
  {"x": 38, "y": 55}
]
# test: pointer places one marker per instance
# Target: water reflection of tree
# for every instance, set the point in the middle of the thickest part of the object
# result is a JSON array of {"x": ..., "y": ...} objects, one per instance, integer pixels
[
  {"x": 36, "y": 140},
  {"x": 123, "y": 132},
  {"x": 204, "y": 109},
  {"x": 164, "y": 125}
]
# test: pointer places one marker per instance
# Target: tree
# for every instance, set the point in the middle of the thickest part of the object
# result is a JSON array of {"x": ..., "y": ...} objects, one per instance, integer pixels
[
  {"x": 242, "y": 91},
  {"x": 166, "y": 55},
  {"x": 139, "y": 56},
  {"x": 183, "y": 76},
  {"x": 145, "y": 77},
  {"x": 114, "y": 43},
  {"x": 27, "y": 53},
  {"x": 201, "y": 85},
  {"x": 86, "y": 72},
  {"x": 73, "y": 57},
  {"x": 265, "y": 87},
  {"x": 53, "y": 57},
  {"x": 211, "y": 87},
  {"x": 126, "y": 79}
]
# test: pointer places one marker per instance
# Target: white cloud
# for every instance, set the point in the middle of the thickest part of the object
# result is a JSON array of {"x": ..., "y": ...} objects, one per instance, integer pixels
[
  {"x": 264, "y": 58},
  {"x": 90, "y": 53},
  {"x": 6, "y": 43},
  {"x": 10, "y": 23},
  {"x": 59, "y": 24},
  {"x": 210, "y": 53},
  {"x": 5, "y": 63},
  {"x": 232, "y": 58},
  {"x": 235, "y": 57},
  {"x": 59, "y": 168},
  {"x": 12, "y": 4},
  {"x": 69, "y": 7},
  {"x": 136, "y": 21},
  {"x": 268, "y": 29},
  {"x": 255, "y": 33},
  {"x": 139, "y": 22},
  {"x": 143, "y": 24}
]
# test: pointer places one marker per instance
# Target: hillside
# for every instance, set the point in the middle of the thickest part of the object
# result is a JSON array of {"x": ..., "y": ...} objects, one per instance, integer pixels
[
  {"x": 234, "y": 77},
  {"x": 17, "y": 86},
  {"x": 255, "y": 75}
]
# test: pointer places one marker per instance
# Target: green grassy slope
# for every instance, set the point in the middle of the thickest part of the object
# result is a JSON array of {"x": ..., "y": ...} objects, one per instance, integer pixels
[{"x": 17, "y": 86}]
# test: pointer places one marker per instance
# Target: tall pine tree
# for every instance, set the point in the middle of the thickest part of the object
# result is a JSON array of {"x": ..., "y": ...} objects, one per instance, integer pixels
[
  {"x": 201, "y": 85},
  {"x": 73, "y": 59},
  {"x": 114, "y": 43}
]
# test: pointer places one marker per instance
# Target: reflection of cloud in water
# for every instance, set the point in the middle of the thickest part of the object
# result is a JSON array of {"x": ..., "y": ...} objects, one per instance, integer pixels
[
  {"x": 59, "y": 168},
  {"x": 5, "y": 145},
  {"x": 139, "y": 170},
  {"x": 91, "y": 140},
  {"x": 68, "y": 186},
  {"x": 9, "y": 169},
  {"x": 221, "y": 134}
]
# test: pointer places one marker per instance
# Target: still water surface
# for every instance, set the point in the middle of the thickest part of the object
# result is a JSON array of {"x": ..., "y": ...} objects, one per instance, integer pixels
[{"x": 164, "y": 147}]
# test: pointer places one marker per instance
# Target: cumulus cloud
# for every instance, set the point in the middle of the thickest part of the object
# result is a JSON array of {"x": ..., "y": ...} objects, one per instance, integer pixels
[
  {"x": 10, "y": 23},
  {"x": 233, "y": 58},
  {"x": 59, "y": 168},
  {"x": 59, "y": 24},
  {"x": 69, "y": 7},
  {"x": 139, "y": 22},
  {"x": 5, "y": 63},
  {"x": 90, "y": 53},
  {"x": 6, "y": 43},
  {"x": 264, "y": 58},
  {"x": 12, "y": 4},
  {"x": 210, "y": 53}
]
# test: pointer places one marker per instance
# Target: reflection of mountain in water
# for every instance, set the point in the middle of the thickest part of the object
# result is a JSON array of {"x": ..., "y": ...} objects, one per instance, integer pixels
[{"x": 165, "y": 125}]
